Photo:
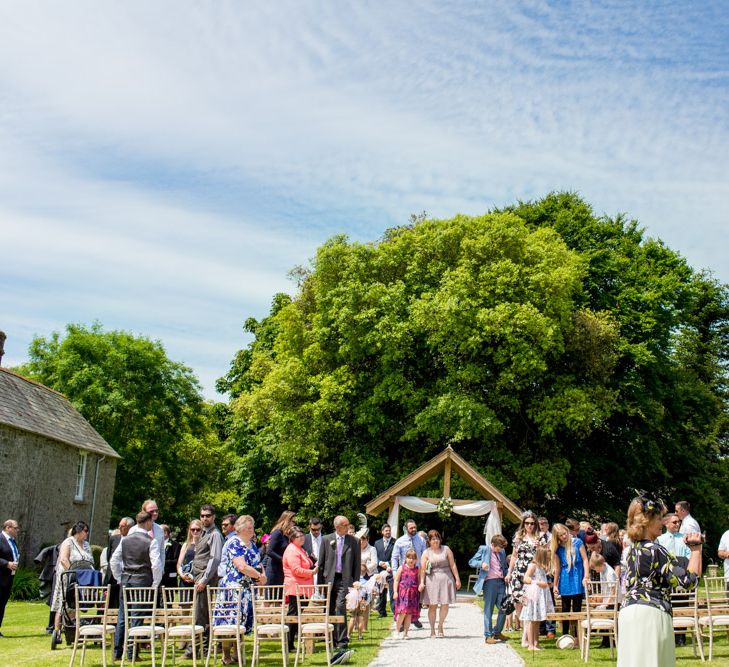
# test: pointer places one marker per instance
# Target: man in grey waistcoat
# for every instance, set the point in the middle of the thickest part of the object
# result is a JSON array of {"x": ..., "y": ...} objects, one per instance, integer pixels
[
  {"x": 208, "y": 552},
  {"x": 136, "y": 563}
]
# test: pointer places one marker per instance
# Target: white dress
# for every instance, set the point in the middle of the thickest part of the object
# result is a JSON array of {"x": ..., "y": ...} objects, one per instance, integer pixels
[
  {"x": 537, "y": 600},
  {"x": 76, "y": 554}
]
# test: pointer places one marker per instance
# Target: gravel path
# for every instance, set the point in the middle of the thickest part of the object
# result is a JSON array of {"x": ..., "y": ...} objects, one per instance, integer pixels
[{"x": 463, "y": 644}]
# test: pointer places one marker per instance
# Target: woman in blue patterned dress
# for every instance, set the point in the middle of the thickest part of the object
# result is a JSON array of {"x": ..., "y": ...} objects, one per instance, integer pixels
[
  {"x": 242, "y": 566},
  {"x": 645, "y": 626}
]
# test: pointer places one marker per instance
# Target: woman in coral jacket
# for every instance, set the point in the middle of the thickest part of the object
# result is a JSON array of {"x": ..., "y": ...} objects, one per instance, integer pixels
[{"x": 299, "y": 569}]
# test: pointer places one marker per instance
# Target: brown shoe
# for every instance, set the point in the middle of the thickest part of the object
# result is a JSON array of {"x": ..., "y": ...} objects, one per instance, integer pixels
[
  {"x": 502, "y": 637},
  {"x": 492, "y": 640}
]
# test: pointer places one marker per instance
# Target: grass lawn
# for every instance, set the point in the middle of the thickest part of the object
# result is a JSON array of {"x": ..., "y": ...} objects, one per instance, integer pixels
[
  {"x": 551, "y": 655},
  {"x": 26, "y": 644}
]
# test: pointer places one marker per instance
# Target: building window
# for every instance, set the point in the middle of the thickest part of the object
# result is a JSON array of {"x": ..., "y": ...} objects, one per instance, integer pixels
[{"x": 81, "y": 476}]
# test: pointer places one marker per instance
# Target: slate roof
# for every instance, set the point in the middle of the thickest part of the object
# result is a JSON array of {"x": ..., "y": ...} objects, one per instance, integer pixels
[{"x": 30, "y": 406}]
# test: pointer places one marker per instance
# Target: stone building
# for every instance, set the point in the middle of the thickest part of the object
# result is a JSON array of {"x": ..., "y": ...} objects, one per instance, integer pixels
[{"x": 55, "y": 468}]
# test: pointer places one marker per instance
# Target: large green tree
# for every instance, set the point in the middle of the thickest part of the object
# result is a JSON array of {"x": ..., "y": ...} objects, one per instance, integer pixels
[
  {"x": 147, "y": 407},
  {"x": 566, "y": 355}
]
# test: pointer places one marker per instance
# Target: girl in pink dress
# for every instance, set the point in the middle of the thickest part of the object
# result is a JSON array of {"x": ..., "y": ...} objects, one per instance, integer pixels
[{"x": 405, "y": 592}]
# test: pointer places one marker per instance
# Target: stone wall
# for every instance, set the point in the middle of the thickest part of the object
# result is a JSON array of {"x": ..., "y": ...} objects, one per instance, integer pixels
[{"x": 39, "y": 486}]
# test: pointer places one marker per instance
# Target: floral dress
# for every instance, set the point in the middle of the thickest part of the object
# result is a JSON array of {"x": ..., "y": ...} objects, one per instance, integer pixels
[
  {"x": 75, "y": 554},
  {"x": 408, "y": 597},
  {"x": 525, "y": 550},
  {"x": 233, "y": 578}
]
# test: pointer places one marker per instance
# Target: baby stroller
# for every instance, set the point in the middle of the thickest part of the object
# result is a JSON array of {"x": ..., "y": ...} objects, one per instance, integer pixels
[{"x": 83, "y": 574}]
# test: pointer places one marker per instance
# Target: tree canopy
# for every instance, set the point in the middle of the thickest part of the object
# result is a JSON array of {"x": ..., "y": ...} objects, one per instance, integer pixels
[
  {"x": 567, "y": 356},
  {"x": 148, "y": 408}
]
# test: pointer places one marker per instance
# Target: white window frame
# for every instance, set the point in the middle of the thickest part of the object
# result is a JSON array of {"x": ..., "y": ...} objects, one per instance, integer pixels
[{"x": 81, "y": 476}]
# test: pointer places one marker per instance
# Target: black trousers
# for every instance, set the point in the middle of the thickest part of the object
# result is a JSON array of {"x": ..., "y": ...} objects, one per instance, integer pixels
[
  {"x": 387, "y": 590},
  {"x": 338, "y": 607},
  {"x": 4, "y": 597},
  {"x": 570, "y": 603}
]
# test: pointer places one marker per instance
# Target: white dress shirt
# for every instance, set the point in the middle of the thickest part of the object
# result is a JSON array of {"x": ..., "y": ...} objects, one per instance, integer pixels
[
  {"x": 689, "y": 525},
  {"x": 117, "y": 564}
]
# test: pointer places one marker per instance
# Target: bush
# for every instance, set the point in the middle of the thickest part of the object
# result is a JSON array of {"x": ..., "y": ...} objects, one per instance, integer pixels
[{"x": 25, "y": 585}]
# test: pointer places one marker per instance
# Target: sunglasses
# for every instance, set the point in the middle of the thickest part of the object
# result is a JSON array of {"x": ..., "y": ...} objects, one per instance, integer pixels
[
  {"x": 195, "y": 530},
  {"x": 529, "y": 523},
  {"x": 205, "y": 516}
]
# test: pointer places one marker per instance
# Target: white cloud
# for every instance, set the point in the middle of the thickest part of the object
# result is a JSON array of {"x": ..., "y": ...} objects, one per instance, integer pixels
[{"x": 158, "y": 154}]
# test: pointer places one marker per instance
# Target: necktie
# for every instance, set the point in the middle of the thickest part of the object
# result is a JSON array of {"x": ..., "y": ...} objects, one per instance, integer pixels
[
  {"x": 14, "y": 546},
  {"x": 340, "y": 546}
]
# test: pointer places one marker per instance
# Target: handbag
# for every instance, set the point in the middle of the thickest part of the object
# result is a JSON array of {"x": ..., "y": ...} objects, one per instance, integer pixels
[{"x": 507, "y": 604}]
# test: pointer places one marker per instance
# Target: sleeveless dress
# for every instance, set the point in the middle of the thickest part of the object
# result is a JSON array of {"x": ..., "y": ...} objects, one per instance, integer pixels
[
  {"x": 537, "y": 600},
  {"x": 75, "y": 554},
  {"x": 408, "y": 596},
  {"x": 525, "y": 550},
  {"x": 440, "y": 586},
  {"x": 187, "y": 564}
]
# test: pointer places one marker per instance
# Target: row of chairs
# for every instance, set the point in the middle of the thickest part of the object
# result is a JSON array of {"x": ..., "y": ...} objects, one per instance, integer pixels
[
  {"x": 174, "y": 623},
  {"x": 703, "y": 616}
]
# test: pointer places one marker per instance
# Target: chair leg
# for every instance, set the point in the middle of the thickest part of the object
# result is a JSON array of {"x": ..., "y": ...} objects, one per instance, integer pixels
[
  {"x": 328, "y": 641},
  {"x": 73, "y": 653},
  {"x": 83, "y": 652},
  {"x": 285, "y": 648}
]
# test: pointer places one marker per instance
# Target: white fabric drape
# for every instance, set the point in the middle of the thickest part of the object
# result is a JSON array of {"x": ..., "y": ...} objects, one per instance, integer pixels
[{"x": 476, "y": 508}]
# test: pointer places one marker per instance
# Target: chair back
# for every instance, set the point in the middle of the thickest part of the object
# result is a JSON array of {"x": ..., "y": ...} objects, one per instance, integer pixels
[
  {"x": 92, "y": 604},
  {"x": 179, "y": 605},
  {"x": 269, "y": 605},
  {"x": 225, "y": 605},
  {"x": 313, "y": 602},
  {"x": 717, "y": 598},
  {"x": 683, "y": 602},
  {"x": 140, "y": 604},
  {"x": 601, "y": 600}
]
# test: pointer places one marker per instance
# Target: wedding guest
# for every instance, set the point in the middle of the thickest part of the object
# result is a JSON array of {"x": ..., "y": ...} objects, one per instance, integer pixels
[
  {"x": 298, "y": 569},
  {"x": 439, "y": 580},
  {"x": 526, "y": 540},
  {"x": 645, "y": 626},
  {"x": 276, "y": 546},
  {"x": 571, "y": 570}
]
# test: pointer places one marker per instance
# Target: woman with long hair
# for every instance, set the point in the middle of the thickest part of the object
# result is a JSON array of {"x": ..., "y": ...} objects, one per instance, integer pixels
[
  {"x": 571, "y": 570},
  {"x": 277, "y": 544},
  {"x": 645, "y": 626},
  {"x": 526, "y": 540},
  {"x": 187, "y": 552}
]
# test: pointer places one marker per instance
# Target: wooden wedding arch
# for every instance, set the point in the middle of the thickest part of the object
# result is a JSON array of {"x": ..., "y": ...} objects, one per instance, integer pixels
[{"x": 446, "y": 463}]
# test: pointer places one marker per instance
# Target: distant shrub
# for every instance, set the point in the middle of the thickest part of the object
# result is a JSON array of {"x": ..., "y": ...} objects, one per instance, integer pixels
[{"x": 25, "y": 585}]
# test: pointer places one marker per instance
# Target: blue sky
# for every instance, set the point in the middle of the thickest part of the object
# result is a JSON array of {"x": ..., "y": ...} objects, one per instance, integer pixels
[{"x": 163, "y": 165}]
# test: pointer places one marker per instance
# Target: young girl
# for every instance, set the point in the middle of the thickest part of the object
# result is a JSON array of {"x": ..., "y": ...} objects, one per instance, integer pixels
[
  {"x": 538, "y": 601},
  {"x": 405, "y": 592}
]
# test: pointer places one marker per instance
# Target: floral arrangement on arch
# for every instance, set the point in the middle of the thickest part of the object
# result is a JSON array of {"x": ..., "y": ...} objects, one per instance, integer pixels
[{"x": 445, "y": 507}]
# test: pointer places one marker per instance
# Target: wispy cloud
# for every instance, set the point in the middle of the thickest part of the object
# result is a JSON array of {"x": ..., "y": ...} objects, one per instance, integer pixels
[{"x": 162, "y": 164}]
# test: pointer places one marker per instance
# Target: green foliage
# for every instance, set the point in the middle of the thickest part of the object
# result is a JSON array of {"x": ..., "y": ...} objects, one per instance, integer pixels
[
  {"x": 147, "y": 407},
  {"x": 566, "y": 356},
  {"x": 25, "y": 585}
]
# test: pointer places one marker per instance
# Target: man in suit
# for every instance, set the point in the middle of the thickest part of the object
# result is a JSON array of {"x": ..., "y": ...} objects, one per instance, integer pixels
[
  {"x": 9, "y": 559},
  {"x": 172, "y": 553},
  {"x": 339, "y": 565},
  {"x": 208, "y": 552},
  {"x": 384, "y": 547},
  {"x": 136, "y": 563},
  {"x": 312, "y": 543}
]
